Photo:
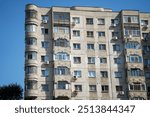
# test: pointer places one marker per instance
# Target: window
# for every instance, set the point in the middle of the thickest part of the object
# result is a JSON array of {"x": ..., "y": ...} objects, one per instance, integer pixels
[
  {"x": 61, "y": 42},
  {"x": 62, "y": 56},
  {"x": 147, "y": 62},
  {"x": 90, "y": 34},
  {"x": 76, "y": 33},
  {"x": 61, "y": 17},
  {"x": 115, "y": 34},
  {"x": 117, "y": 60},
  {"x": 44, "y": 31},
  {"x": 116, "y": 47},
  {"x": 137, "y": 87},
  {"x": 114, "y": 22},
  {"x": 132, "y": 45},
  {"x": 135, "y": 32},
  {"x": 77, "y": 60},
  {"x": 60, "y": 70},
  {"x": 77, "y": 73},
  {"x": 44, "y": 18},
  {"x": 63, "y": 85},
  {"x": 145, "y": 36},
  {"x": 76, "y": 46},
  {"x": 101, "y": 21},
  {"x": 104, "y": 74},
  {"x": 30, "y": 28},
  {"x": 101, "y": 34},
  {"x": 78, "y": 87},
  {"x": 131, "y": 19},
  {"x": 44, "y": 58},
  {"x": 91, "y": 60},
  {"x": 135, "y": 72},
  {"x": 147, "y": 74},
  {"x": 90, "y": 46},
  {"x": 76, "y": 20},
  {"x": 146, "y": 49},
  {"x": 144, "y": 22},
  {"x": 31, "y": 41},
  {"x": 61, "y": 29},
  {"x": 31, "y": 84},
  {"x": 44, "y": 87},
  {"x": 134, "y": 59},
  {"x": 92, "y": 88},
  {"x": 30, "y": 69},
  {"x": 102, "y": 47},
  {"x": 45, "y": 44},
  {"x": 31, "y": 55},
  {"x": 119, "y": 88},
  {"x": 89, "y": 21},
  {"x": 31, "y": 14},
  {"x": 105, "y": 88},
  {"x": 103, "y": 60},
  {"x": 45, "y": 72},
  {"x": 91, "y": 74},
  {"x": 118, "y": 74}
]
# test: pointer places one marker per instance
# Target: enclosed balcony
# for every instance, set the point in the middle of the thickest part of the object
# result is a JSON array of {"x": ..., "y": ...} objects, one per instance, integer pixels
[
  {"x": 61, "y": 18},
  {"x": 62, "y": 89},
  {"x": 31, "y": 91},
  {"x": 135, "y": 75}
]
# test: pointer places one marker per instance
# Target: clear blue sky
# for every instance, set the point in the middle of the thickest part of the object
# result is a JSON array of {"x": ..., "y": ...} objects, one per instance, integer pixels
[{"x": 12, "y": 30}]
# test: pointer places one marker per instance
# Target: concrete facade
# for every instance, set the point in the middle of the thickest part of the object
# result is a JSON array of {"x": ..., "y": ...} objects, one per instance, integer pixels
[{"x": 86, "y": 53}]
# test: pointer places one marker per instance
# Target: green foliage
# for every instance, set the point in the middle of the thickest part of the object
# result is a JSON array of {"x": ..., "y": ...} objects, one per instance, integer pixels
[{"x": 11, "y": 92}]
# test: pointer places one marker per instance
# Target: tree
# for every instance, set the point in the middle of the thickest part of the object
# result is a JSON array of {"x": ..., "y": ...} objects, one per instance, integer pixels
[{"x": 11, "y": 92}]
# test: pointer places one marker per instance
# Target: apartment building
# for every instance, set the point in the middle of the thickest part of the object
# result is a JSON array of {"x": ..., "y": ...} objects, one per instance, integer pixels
[{"x": 86, "y": 53}]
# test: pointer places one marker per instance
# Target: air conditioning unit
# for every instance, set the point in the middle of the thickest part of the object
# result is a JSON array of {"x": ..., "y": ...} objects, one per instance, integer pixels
[
  {"x": 73, "y": 23},
  {"x": 44, "y": 21},
  {"x": 145, "y": 26},
  {"x": 130, "y": 36},
  {"x": 114, "y": 25},
  {"x": 47, "y": 62},
  {"x": 121, "y": 92},
  {"x": 115, "y": 38}
]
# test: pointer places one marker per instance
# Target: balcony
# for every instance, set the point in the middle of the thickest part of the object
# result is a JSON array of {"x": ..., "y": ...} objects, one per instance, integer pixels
[
  {"x": 31, "y": 48},
  {"x": 31, "y": 62},
  {"x": 62, "y": 63},
  {"x": 57, "y": 49},
  {"x": 61, "y": 35},
  {"x": 132, "y": 38},
  {"x": 134, "y": 65},
  {"x": 31, "y": 21},
  {"x": 59, "y": 22},
  {"x": 129, "y": 51},
  {"x": 62, "y": 93},
  {"x": 31, "y": 34},
  {"x": 31, "y": 77},
  {"x": 136, "y": 79},
  {"x": 31, "y": 93},
  {"x": 133, "y": 94},
  {"x": 63, "y": 78}
]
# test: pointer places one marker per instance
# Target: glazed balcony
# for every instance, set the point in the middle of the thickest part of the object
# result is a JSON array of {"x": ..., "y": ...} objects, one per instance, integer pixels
[
  {"x": 60, "y": 21},
  {"x": 57, "y": 49},
  {"x": 31, "y": 62},
  {"x": 62, "y": 78},
  {"x": 61, "y": 35},
  {"x": 62, "y": 93},
  {"x": 31, "y": 93},
  {"x": 62, "y": 63},
  {"x": 130, "y": 65},
  {"x": 133, "y": 51},
  {"x": 31, "y": 48},
  {"x": 133, "y": 94}
]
